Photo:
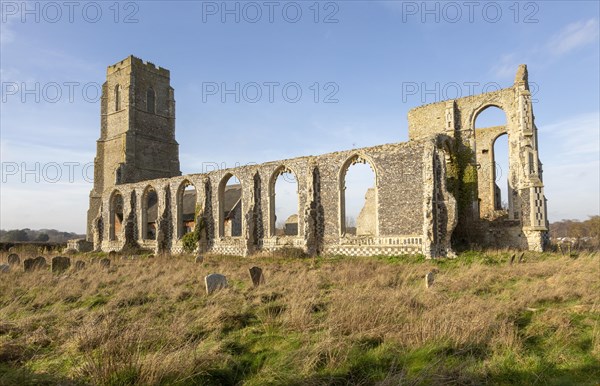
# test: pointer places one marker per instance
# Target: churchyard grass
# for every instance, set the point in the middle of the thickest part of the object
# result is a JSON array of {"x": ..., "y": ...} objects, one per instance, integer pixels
[{"x": 314, "y": 321}]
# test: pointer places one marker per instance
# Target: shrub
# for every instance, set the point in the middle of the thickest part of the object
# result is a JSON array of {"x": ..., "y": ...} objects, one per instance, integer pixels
[{"x": 190, "y": 242}]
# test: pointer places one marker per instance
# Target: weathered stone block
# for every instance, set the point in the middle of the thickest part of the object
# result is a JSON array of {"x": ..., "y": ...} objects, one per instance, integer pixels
[
  {"x": 429, "y": 277},
  {"x": 13, "y": 259},
  {"x": 32, "y": 264},
  {"x": 214, "y": 282},
  {"x": 256, "y": 274},
  {"x": 60, "y": 263}
]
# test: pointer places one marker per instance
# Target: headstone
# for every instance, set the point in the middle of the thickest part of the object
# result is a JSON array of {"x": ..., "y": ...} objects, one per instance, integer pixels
[
  {"x": 13, "y": 259},
  {"x": 105, "y": 263},
  {"x": 256, "y": 274},
  {"x": 429, "y": 279},
  {"x": 40, "y": 262},
  {"x": 4, "y": 268},
  {"x": 512, "y": 259},
  {"x": 32, "y": 264},
  {"x": 79, "y": 265},
  {"x": 199, "y": 259},
  {"x": 215, "y": 281},
  {"x": 60, "y": 263},
  {"x": 28, "y": 264}
]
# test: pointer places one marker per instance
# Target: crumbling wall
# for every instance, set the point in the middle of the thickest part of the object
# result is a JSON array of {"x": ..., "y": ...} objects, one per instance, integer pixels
[
  {"x": 480, "y": 216},
  {"x": 398, "y": 193}
]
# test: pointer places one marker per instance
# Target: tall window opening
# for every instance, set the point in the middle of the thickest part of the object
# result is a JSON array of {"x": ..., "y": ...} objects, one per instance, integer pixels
[
  {"x": 117, "y": 97},
  {"x": 230, "y": 204},
  {"x": 186, "y": 206},
  {"x": 150, "y": 214},
  {"x": 116, "y": 216},
  {"x": 358, "y": 198},
  {"x": 494, "y": 160},
  {"x": 284, "y": 203}
]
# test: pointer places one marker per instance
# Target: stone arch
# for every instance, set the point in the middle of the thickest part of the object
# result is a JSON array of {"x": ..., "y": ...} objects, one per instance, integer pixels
[
  {"x": 149, "y": 213},
  {"x": 357, "y": 158},
  {"x": 230, "y": 201},
  {"x": 116, "y": 211},
  {"x": 484, "y": 106},
  {"x": 151, "y": 101},
  {"x": 186, "y": 208},
  {"x": 282, "y": 169},
  {"x": 489, "y": 197}
]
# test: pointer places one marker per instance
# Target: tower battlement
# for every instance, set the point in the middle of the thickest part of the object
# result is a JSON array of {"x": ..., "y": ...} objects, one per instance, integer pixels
[{"x": 140, "y": 64}]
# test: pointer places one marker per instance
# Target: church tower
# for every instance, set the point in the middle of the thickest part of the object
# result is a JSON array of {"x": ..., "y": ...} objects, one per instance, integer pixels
[{"x": 137, "y": 129}]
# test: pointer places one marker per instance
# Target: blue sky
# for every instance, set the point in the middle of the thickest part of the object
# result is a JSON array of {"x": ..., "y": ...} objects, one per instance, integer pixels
[{"x": 360, "y": 55}]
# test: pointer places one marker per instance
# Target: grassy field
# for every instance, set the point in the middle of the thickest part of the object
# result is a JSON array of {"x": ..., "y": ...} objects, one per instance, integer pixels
[{"x": 323, "y": 321}]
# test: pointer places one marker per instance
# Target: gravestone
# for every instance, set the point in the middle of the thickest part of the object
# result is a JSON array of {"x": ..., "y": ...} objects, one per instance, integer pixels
[
  {"x": 60, "y": 263},
  {"x": 40, "y": 262},
  {"x": 429, "y": 279},
  {"x": 13, "y": 259},
  {"x": 105, "y": 263},
  {"x": 199, "y": 259},
  {"x": 32, "y": 264},
  {"x": 28, "y": 264},
  {"x": 79, "y": 265},
  {"x": 214, "y": 282},
  {"x": 4, "y": 268},
  {"x": 256, "y": 274}
]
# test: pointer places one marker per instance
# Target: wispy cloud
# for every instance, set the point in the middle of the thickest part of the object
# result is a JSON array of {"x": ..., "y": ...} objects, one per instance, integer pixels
[
  {"x": 507, "y": 66},
  {"x": 569, "y": 38},
  {"x": 575, "y": 136},
  {"x": 573, "y": 36}
]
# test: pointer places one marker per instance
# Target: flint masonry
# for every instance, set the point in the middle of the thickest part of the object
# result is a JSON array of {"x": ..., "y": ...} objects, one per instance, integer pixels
[{"x": 431, "y": 194}]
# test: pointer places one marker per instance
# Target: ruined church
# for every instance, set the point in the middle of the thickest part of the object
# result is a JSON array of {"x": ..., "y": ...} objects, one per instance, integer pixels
[{"x": 432, "y": 194}]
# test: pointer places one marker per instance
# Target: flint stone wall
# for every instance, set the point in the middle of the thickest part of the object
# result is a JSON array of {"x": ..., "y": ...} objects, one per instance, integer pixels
[{"x": 403, "y": 173}]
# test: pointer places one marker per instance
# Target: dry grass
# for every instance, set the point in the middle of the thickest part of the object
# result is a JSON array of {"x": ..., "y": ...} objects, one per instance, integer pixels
[{"x": 315, "y": 321}]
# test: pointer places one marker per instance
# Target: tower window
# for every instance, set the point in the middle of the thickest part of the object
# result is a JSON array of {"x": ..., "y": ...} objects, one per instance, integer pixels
[
  {"x": 117, "y": 97},
  {"x": 119, "y": 175},
  {"x": 150, "y": 100}
]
